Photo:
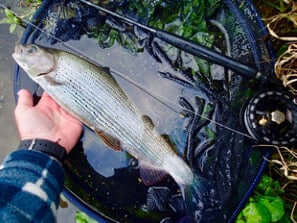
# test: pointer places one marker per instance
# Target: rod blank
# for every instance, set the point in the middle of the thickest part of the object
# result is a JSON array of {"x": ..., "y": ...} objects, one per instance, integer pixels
[{"x": 189, "y": 46}]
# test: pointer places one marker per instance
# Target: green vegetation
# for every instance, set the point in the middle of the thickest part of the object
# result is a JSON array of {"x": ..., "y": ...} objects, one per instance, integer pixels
[
  {"x": 34, "y": 2},
  {"x": 265, "y": 205},
  {"x": 210, "y": 133},
  {"x": 185, "y": 18},
  {"x": 14, "y": 20},
  {"x": 281, "y": 19},
  {"x": 81, "y": 217},
  {"x": 281, "y": 6},
  {"x": 11, "y": 19}
]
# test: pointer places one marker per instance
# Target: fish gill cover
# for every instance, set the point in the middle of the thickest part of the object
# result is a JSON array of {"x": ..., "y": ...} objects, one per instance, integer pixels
[{"x": 201, "y": 92}]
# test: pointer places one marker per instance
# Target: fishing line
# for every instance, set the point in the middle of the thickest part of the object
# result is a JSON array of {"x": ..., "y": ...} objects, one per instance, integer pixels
[{"x": 119, "y": 74}]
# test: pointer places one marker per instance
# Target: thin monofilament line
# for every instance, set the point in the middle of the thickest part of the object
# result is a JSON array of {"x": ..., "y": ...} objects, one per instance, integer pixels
[
  {"x": 116, "y": 15},
  {"x": 119, "y": 74}
]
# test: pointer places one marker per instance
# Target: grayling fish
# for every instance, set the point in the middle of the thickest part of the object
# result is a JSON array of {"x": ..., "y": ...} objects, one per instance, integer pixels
[{"x": 91, "y": 94}]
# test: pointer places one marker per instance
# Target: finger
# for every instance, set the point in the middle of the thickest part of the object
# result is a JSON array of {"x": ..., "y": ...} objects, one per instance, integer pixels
[
  {"x": 25, "y": 99},
  {"x": 44, "y": 97},
  {"x": 47, "y": 100},
  {"x": 44, "y": 94}
]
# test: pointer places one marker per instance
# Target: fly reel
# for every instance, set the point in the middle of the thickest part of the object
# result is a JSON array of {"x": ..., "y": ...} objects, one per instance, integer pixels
[{"x": 271, "y": 118}]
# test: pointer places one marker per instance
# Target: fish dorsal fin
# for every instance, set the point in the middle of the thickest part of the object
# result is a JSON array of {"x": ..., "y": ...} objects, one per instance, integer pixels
[
  {"x": 109, "y": 74},
  {"x": 109, "y": 140},
  {"x": 148, "y": 122},
  {"x": 106, "y": 70},
  {"x": 149, "y": 174}
]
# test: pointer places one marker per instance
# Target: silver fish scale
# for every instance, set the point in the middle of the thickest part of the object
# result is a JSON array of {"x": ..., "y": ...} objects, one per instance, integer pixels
[{"x": 95, "y": 98}]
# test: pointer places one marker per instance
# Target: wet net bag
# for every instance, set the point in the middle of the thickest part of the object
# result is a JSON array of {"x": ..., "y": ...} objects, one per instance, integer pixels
[{"x": 194, "y": 105}]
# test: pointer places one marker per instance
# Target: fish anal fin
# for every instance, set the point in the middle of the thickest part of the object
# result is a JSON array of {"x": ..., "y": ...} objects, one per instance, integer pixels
[
  {"x": 167, "y": 139},
  {"x": 150, "y": 175},
  {"x": 172, "y": 145},
  {"x": 109, "y": 140}
]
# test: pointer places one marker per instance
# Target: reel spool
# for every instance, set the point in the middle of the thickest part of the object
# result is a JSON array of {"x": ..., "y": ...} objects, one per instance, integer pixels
[{"x": 271, "y": 118}]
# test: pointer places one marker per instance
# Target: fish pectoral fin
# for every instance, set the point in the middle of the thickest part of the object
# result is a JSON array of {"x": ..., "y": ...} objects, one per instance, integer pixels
[
  {"x": 52, "y": 81},
  {"x": 109, "y": 140},
  {"x": 150, "y": 175}
]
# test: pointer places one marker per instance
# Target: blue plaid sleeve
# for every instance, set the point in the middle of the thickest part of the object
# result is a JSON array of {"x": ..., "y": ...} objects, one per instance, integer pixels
[{"x": 30, "y": 185}]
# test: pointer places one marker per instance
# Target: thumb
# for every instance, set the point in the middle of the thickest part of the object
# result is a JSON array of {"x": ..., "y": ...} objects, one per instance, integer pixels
[{"x": 25, "y": 99}]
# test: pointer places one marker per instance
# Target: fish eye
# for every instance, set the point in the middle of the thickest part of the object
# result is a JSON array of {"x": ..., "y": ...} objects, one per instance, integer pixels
[{"x": 32, "y": 49}]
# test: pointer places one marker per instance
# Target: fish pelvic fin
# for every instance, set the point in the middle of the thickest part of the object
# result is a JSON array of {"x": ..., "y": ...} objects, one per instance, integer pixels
[
  {"x": 109, "y": 140},
  {"x": 150, "y": 175},
  {"x": 52, "y": 81}
]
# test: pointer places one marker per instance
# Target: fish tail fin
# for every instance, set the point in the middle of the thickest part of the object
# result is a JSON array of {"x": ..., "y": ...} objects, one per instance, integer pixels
[{"x": 202, "y": 205}]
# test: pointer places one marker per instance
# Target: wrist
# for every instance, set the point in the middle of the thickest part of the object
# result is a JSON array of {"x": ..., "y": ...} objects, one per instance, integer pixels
[
  {"x": 45, "y": 146},
  {"x": 57, "y": 140}
]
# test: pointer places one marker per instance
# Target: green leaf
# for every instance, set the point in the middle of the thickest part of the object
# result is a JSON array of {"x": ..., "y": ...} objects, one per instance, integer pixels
[
  {"x": 281, "y": 50},
  {"x": 81, "y": 217},
  {"x": 266, "y": 196},
  {"x": 275, "y": 205},
  {"x": 5, "y": 20},
  {"x": 256, "y": 213},
  {"x": 10, "y": 18},
  {"x": 240, "y": 218},
  {"x": 285, "y": 219},
  {"x": 212, "y": 5},
  {"x": 268, "y": 186},
  {"x": 204, "y": 66},
  {"x": 113, "y": 35},
  {"x": 265, "y": 182},
  {"x": 16, "y": 20},
  {"x": 210, "y": 134},
  {"x": 9, "y": 14},
  {"x": 12, "y": 28}
]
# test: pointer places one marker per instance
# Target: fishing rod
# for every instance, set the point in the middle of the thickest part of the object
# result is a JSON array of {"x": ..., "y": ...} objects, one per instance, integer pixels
[
  {"x": 188, "y": 46},
  {"x": 122, "y": 76},
  {"x": 274, "y": 125}
]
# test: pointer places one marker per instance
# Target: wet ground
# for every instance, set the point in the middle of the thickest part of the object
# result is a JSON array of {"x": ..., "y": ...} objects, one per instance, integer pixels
[{"x": 8, "y": 132}]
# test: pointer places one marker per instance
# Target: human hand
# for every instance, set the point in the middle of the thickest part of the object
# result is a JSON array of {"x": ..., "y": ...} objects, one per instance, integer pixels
[{"x": 46, "y": 120}]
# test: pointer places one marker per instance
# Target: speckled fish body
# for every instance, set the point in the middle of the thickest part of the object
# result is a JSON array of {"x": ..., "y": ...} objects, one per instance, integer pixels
[{"x": 92, "y": 95}]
